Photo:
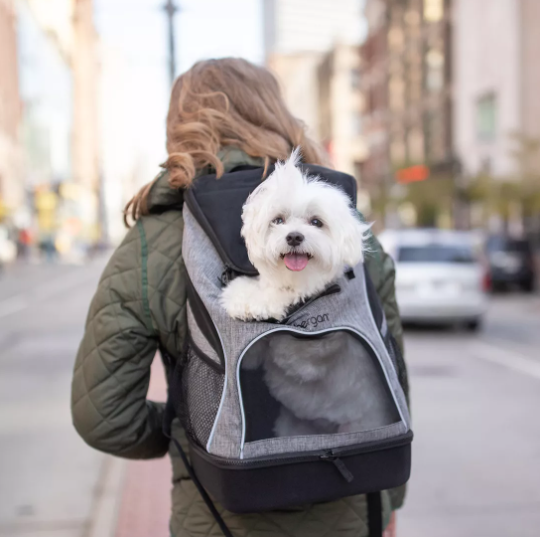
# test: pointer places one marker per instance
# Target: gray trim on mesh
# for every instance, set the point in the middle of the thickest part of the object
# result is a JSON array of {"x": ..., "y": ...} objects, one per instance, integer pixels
[
  {"x": 316, "y": 442},
  {"x": 371, "y": 435}
]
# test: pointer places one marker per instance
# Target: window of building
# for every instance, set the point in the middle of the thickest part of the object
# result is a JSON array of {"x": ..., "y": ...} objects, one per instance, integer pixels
[
  {"x": 398, "y": 152},
  {"x": 396, "y": 88},
  {"x": 433, "y": 10},
  {"x": 359, "y": 170},
  {"x": 355, "y": 78},
  {"x": 415, "y": 145},
  {"x": 486, "y": 117},
  {"x": 395, "y": 38},
  {"x": 356, "y": 124},
  {"x": 435, "y": 70}
]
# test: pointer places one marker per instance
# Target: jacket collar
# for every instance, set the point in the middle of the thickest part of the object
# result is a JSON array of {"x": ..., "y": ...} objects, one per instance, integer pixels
[{"x": 163, "y": 197}]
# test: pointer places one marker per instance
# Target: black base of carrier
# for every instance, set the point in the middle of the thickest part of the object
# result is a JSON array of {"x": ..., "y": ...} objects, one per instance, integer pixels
[{"x": 270, "y": 484}]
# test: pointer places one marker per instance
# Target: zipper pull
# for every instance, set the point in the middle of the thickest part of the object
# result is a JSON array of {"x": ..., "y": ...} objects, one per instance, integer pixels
[{"x": 339, "y": 464}]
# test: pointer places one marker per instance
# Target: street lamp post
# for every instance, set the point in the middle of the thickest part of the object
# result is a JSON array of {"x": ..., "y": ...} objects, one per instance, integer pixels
[{"x": 171, "y": 9}]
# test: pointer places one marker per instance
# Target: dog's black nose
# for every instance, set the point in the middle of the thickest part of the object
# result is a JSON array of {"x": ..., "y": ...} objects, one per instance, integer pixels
[{"x": 295, "y": 238}]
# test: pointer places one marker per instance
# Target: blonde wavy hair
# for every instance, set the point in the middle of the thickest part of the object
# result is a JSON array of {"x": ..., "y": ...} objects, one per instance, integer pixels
[{"x": 226, "y": 102}]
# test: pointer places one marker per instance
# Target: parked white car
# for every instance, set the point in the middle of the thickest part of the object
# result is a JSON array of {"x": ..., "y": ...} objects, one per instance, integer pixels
[{"x": 439, "y": 276}]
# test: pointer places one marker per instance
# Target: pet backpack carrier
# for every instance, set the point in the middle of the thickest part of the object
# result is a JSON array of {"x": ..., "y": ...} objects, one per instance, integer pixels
[{"x": 252, "y": 446}]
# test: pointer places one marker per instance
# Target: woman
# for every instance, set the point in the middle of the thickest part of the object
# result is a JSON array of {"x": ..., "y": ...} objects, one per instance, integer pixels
[{"x": 223, "y": 114}]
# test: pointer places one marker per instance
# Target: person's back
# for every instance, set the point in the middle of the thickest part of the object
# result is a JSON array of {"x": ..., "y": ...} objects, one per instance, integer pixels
[{"x": 224, "y": 114}]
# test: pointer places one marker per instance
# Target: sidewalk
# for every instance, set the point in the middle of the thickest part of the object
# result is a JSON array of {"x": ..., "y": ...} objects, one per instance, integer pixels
[{"x": 145, "y": 503}]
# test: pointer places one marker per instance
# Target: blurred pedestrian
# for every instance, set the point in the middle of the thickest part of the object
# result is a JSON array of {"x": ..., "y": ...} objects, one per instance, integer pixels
[
  {"x": 24, "y": 241},
  {"x": 47, "y": 247},
  {"x": 223, "y": 114}
]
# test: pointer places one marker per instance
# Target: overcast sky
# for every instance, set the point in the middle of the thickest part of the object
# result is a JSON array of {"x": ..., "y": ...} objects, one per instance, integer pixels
[{"x": 135, "y": 32}]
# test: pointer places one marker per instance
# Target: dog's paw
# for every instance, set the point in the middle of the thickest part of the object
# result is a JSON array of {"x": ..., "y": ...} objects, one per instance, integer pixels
[
  {"x": 236, "y": 306},
  {"x": 244, "y": 299},
  {"x": 238, "y": 299}
]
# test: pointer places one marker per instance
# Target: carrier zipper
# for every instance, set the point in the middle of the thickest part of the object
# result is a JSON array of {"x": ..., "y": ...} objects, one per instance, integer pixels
[
  {"x": 339, "y": 464},
  {"x": 287, "y": 458}
]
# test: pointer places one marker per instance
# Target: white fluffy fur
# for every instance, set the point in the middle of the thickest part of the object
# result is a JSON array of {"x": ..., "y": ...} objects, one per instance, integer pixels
[
  {"x": 298, "y": 199},
  {"x": 325, "y": 385}
]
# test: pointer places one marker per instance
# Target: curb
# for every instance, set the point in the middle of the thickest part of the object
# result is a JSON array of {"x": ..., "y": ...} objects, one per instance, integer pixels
[{"x": 107, "y": 498}]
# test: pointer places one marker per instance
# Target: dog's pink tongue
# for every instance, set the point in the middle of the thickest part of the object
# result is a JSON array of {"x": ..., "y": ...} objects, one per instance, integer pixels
[{"x": 296, "y": 262}]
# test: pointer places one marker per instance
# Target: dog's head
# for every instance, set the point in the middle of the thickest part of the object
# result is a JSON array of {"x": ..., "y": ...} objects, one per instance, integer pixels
[{"x": 294, "y": 222}]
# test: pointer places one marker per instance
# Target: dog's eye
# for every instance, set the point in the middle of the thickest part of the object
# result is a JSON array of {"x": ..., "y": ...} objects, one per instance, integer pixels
[
  {"x": 316, "y": 222},
  {"x": 278, "y": 220}
]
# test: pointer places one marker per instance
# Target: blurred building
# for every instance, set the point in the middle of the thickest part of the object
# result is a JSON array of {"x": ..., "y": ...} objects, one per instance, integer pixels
[
  {"x": 497, "y": 81},
  {"x": 11, "y": 188},
  {"x": 298, "y": 34},
  {"x": 85, "y": 96},
  {"x": 44, "y": 41},
  {"x": 298, "y": 77},
  {"x": 57, "y": 63},
  {"x": 122, "y": 172},
  {"x": 292, "y": 26},
  {"x": 340, "y": 102},
  {"x": 312, "y": 47},
  {"x": 406, "y": 77}
]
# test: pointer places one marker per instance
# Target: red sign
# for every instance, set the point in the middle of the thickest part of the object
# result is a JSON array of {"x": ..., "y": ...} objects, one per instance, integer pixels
[{"x": 412, "y": 174}]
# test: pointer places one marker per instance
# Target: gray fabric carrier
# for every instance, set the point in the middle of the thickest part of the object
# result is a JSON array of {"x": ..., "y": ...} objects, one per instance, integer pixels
[
  {"x": 348, "y": 310},
  {"x": 266, "y": 405}
]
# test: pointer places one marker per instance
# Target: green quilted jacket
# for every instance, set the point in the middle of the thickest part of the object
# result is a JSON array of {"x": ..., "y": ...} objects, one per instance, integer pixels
[{"x": 140, "y": 303}]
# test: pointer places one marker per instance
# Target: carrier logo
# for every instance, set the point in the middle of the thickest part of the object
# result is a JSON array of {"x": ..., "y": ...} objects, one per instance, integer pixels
[{"x": 312, "y": 322}]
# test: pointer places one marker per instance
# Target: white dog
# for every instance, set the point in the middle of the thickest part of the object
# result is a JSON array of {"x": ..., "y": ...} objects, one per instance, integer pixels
[{"x": 300, "y": 233}]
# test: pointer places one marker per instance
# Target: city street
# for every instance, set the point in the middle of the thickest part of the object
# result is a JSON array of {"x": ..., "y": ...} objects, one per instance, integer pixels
[
  {"x": 475, "y": 402},
  {"x": 475, "y": 397},
  {"x": 49, "y": 477}
]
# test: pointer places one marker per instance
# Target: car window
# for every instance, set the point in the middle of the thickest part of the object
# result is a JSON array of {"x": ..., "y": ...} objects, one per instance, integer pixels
[
  {"x": 436, "y": 253},
  {"x": 502, "y": 244}
]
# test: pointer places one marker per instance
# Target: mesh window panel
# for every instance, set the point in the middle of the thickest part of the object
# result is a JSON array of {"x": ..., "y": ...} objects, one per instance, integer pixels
[
  {"x": 299, "y": 384},
  {"x": 202, "y": 386}
]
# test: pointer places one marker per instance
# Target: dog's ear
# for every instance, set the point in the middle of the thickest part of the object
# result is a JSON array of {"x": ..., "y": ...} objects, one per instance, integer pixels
[
  {"x": 353, "y": 235},
  {"x": 254, "y": 219}
]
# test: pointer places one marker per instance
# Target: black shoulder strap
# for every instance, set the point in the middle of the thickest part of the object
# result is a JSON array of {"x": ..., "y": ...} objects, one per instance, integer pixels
[{"x": 374, "y": 506}]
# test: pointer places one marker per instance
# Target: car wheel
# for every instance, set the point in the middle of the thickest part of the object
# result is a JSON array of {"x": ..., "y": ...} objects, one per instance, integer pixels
[
  {"x": 527, "y": 285},
  {"x": 496, "y": 287},
  {"x": 474, "y": 325}
]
